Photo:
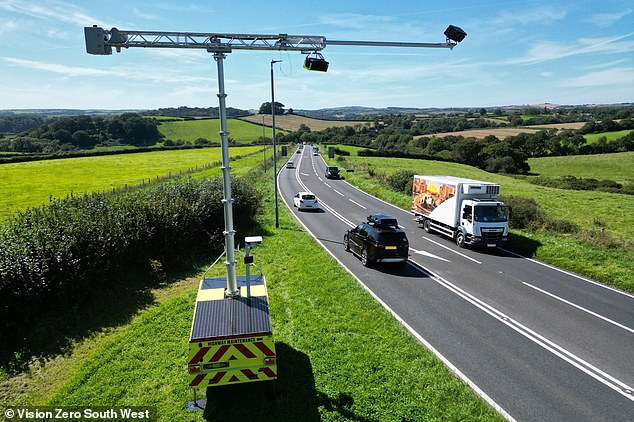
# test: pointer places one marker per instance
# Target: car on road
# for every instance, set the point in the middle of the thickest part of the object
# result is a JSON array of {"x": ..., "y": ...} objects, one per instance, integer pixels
[
  {"x": 378, "y": 240},
  {"x": 290, "y": 165},
  {"x": 305, "y": 201},
  {"x": 332, "y": 172}
]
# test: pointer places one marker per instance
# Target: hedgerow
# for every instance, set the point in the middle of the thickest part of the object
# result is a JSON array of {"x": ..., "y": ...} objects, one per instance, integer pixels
[{"x": 51, "y": 256}]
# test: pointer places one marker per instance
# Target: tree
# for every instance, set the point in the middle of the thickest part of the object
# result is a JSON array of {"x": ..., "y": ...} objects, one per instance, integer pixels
[
  {"x": 265, "y": 108},
  {"x": 483, "y": 111}
]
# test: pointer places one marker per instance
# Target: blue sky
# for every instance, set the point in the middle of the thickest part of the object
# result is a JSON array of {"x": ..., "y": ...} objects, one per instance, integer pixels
[{"x": 516, "y": 52}]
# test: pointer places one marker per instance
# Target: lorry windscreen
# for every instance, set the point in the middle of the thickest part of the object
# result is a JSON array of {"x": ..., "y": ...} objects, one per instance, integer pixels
[{"x": 490, "y": 213}]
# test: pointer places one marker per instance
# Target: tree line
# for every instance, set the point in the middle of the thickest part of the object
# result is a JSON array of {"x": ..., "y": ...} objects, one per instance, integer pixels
[{"x": 85, "y": 132}]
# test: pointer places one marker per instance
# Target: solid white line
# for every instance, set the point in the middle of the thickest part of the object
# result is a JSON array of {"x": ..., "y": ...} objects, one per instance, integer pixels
[
  {"x": 606, "y": 379},
  {"x": 339, "y": 192},
  {"x": 571, "y": 274},
  {"x": 449, "y": 249},
  {"x": 354, "y": 202},
  {"x": 420, "y": 338},
  {"x": 579, "y": 307}
]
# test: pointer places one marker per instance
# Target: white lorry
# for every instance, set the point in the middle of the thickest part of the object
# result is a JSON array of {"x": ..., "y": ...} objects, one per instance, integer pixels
[{"x": 465, "y": 210}]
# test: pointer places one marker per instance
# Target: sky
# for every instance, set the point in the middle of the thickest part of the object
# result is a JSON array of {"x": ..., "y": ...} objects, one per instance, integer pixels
[{"x": 515, "y": 53}]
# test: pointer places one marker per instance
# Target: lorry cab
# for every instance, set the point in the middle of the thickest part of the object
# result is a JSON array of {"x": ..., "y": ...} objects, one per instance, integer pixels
[{"x": 482, "y": 222}]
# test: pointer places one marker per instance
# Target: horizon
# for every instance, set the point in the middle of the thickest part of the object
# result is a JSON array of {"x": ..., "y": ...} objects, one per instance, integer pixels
[{"x": 516, "y": 53}]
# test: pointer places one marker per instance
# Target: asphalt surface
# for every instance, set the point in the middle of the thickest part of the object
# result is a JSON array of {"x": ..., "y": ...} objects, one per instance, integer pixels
[{"x": 536, "y": 342}]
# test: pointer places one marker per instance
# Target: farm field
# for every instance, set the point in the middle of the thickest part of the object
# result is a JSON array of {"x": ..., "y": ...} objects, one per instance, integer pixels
[
  {"x": 504, "y": 132},
  {"x": 592, "y": 211},
  {"x": 240, "y": 131},
  {"x": 610, "y": 136},
  {"x": 316, "y": 382},
  {"x": 291, "y": 122},
  {"x": 32, "y": 183},
  {"x": 618, "y": 166}
]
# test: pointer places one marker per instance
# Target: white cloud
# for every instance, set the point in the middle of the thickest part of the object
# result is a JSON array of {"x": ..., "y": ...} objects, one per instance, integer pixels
[
  {"x": 619, "y": 76},
  {"x": 52, "y": 10},
  {"x": 60, "y": 69},
  {"x": 8, "y": 26},
  {"x": 546, "y": 50},
  {"x": 541, "y": 15},
  {"x": 607, "y": 19}
]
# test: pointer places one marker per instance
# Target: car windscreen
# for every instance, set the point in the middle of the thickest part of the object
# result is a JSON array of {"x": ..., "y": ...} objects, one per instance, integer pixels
[
  {"x": 490, "y": 213},
  {"x": 311, "y": 197},
  {"x": 333, "y": 169},
  {"x": 392, "y": 238}
]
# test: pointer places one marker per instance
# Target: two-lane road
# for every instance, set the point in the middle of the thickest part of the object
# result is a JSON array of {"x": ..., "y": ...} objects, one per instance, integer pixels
[{"x": 536, "y": 342}]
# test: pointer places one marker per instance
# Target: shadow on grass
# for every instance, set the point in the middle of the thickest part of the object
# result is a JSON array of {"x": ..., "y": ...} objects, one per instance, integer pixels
[
  {"x": 296, "y": 397},
  {"x": 62, "y": 324}
]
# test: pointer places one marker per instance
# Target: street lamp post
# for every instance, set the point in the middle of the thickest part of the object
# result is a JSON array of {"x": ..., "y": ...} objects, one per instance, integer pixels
[{"x": 277, "y": 219}]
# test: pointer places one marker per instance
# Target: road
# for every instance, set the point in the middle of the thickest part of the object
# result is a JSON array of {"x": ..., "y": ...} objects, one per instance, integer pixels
[{"x": 536, "y": 342}]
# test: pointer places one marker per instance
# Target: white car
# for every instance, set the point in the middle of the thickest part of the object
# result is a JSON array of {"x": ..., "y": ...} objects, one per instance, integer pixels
[
  {"x": 305, "y": 201},
  {"x": 290, "y": 165}
]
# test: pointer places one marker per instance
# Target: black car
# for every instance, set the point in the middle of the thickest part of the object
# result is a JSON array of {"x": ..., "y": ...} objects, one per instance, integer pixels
[
  {"x": 378, "y": 240},
  {"x": 332, "y": 172}
]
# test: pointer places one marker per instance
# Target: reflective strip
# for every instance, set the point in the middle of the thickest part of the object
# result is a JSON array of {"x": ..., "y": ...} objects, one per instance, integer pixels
[
  {"x": 221, "y": 351},
  {"x": 216, "y": 379},
  {"x": 199, "y": 356},
  {"x": 243, "y": 349},
  {"x": 264, "y": 349},
  {"x": 197, "y": 379},
  {"x": 268, "y": 372}
]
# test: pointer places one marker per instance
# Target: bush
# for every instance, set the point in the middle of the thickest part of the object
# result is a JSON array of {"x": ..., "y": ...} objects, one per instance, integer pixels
[
  {"x": 527, "y": 214},
  {"x": 51, "y": 257}
]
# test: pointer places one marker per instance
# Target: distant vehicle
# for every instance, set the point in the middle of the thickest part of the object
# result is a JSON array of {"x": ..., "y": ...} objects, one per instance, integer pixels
[
  {"x": 305, "y": 201},
  {"x": 332, "y": 172},
  {"x": 315, "y": 152},
  {"x": 466, "y": 210},
  {"x": 378, "y": 240},
  {"x": 290, "y": 165}
]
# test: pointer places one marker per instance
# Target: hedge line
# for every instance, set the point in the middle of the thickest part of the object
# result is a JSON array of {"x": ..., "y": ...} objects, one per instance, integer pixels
[{"x": 50, "y": 257}]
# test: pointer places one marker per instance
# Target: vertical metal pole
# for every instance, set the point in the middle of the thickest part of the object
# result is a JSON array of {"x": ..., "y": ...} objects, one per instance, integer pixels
[
  {"x": 227, "y": 201},
  {"x": 277, "y": 220}
]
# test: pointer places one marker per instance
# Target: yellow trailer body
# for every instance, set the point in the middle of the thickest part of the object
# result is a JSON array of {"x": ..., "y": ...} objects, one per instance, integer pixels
[{"x": 231, "y": 340}]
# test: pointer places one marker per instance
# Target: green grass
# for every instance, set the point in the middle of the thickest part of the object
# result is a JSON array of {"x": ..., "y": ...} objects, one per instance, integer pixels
[
  {"x": 610, "y": 136},
  {"x": 340, "y": 357},
  {"x": 591, "y": 211},
  {"x": 32, "y": 183},
  {"x": 618, "y": 166},
  {"x": 190, "y": 130}
]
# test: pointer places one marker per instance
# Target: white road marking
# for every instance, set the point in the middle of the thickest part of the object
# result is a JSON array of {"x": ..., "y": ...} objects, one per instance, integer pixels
[
  {"x": 354, "y": 202},
  {"x": 327, "y": 184},
  {"x": 571, "y": 274},
  {"x": 320, "y": 179},
  {"x": 425, "y": 253},
  {"x": 339, "y": 192},
  {"x": 449, "y": 249},
  {"x": 304, "y": 174},
  {"x": 579, "y": 307}
]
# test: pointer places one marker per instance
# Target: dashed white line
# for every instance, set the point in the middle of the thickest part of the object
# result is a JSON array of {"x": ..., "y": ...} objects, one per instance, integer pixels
[
  {"x": 449, "y": 249},
  {"x": 579, "y": 307},
  {"x": 356, "y": 203},
  {"x": 339, "y": 192},
  {"x": 327, "y": 184}
]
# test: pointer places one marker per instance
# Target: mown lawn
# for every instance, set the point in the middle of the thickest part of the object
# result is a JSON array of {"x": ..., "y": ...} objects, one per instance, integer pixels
[
  {"x": 32, "y": 183},
  {"x": 590, "y": 210},
  {"x": 190, "y": 130},
  {"x": 618, "y": 166},
  {"x": 340, "y": 357}
]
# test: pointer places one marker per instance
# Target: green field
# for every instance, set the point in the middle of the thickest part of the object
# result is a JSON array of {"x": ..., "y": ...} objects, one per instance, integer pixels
[
  {"x": 610, "y": 136},
  {"x": 590, "y": 210},
  {"x": 618, "y": 167},
  {"x": 189, "y": 130},
  {"x": 32, "y": 183},
  {"x": 339, "y": 358}
]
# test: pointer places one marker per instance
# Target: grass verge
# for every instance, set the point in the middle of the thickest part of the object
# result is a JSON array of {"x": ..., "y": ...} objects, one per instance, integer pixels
[{"x": 341, "y": 355}]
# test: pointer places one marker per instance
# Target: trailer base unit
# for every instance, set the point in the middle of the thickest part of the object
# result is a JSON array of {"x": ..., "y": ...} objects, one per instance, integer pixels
[
  {"x": 465, "y": 210},
  {"x": 231, "y": 341}
]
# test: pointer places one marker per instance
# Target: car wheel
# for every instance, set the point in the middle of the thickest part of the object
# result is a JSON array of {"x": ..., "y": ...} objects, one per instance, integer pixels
[
  {"x": 364, "y": 258},
  {"x": 346, "y": 243},
  {"x": 426, "y": 226},
  {"x": 460, "y": 239}
]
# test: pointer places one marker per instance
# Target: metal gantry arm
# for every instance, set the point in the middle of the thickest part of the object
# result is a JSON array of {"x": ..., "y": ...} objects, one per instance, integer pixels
[{"x": 101, "y": 41}]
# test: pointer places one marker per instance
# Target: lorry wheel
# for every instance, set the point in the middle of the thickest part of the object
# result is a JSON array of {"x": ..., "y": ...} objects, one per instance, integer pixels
[
  {"x": 364, "y": 258},
  {"x": 460, "y": 239},
  {"x": 346, "y": 243},
  {"x": 427, "y": 226}
]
